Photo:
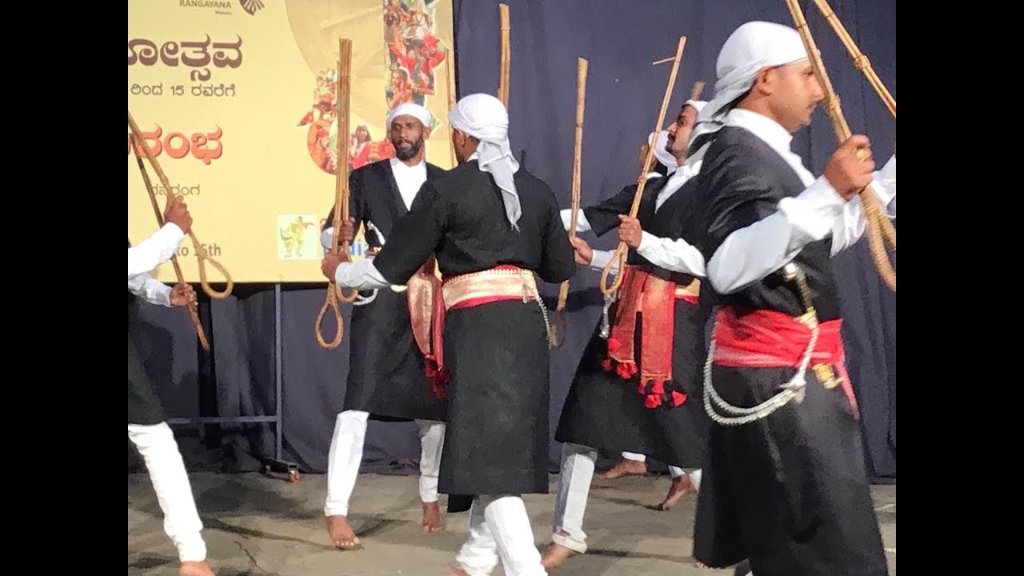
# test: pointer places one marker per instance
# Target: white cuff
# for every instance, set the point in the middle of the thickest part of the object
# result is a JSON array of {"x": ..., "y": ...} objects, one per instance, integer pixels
[
  {"x": 885, "y": 185},
  {"x": 647, "y": 241},
  {"x": 815, "y": 210},
  {"x": 362, "y": 275},
  {"x": 171, "y": 234},
  {"x": 326, "y": 237},
  {"x": 161, "y": 293},
  {"x": 582, "y": 225},
  {"x": 600, "y": 259}
]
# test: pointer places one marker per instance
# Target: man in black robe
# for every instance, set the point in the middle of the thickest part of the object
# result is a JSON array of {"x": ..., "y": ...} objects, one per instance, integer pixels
[
  {"x": 390, "y": 354},
  {"x": 784, "y": 484},
  {"x": 492, "y": 227},
  {"x": 637, "y": 388}
]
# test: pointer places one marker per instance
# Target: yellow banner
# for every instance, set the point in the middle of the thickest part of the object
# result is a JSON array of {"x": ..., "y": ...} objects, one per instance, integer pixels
[{"x": 237, "y": 100}]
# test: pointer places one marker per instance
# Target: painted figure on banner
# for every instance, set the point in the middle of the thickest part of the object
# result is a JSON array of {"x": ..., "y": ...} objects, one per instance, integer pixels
[
  {"x": 413, "y": 50},
  {"x": 414, "y": 53},
  {"x": 322, "y": 128}
]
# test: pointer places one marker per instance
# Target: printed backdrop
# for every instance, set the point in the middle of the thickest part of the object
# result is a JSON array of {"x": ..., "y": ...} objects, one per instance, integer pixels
[{"x": 237, "y": 100}]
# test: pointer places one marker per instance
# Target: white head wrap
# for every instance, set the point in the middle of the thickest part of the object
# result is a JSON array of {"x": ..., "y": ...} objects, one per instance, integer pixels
[
  {"x": 666, "y": 158},
  {"x": 410, "y": 109},
  {"x": 484, "y": 117},
  {"x": 749, "y": 49},
  {"x": 698, "y": 105},
  {"x": 659, "y": 141}
]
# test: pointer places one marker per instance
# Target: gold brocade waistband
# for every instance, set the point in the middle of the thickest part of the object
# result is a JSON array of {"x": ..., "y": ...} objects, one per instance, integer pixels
[{"x": 487, "y": 286}]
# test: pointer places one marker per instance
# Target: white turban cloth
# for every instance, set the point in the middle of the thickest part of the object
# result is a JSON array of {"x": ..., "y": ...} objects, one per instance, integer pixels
[
  {"x": 410, "y": 109},
  {"x": 698, "y": 105},
  {"x": 659, "y": 140},
  {"x": 484, "y": 117},
  {"x": 749, "y": 49}
]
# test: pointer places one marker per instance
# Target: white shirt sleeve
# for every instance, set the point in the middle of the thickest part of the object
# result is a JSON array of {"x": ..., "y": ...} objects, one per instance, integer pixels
[
  {"x": 155, "y": 250},
  {"x": 582, "y": 225},
  {"x": 326, "y": 237},
  {"x": 150, "y": 289},
  {"x": 749, "y": 254},
  {"x": 851, "y": 223},
  {"x": 601, "y": 258},
  {"x": 887, "y": 179},
  {"x": 362, "y": 275},
  {"x": 673, "y": 255}
]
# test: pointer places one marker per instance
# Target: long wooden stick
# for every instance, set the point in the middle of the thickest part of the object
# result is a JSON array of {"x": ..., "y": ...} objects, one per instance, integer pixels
[
  {"x": 698, "y": 88},
  {"x": 620, "y": 252},
  {"x": 860, "y": 61},
  {"x": 192, "y": 311},
  {"x": 342, "y": 106},
  {"x": 506, "y": 55},
  {"x": 450, "y": 73},
  {"x": 577, "y": 161},
  {"x": 880, "y": 231},
  {"x": 201, "y": 253},
  {"x": 334, "y": 293}
]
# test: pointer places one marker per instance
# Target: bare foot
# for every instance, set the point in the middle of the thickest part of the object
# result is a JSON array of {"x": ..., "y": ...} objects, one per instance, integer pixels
[
  {"x": 432, "y": 521},
  {"x": 625, "y": 468},
  {"x": 457, "y": 571},
  {"x": 341, "y": 533},
  {"x": 555, "y": 555},
  {"x": 681, "y": 488},
  {"x": 195, "y": 569}
]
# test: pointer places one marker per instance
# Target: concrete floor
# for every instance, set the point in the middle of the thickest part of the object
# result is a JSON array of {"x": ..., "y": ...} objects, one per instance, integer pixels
[{"x": 260, "y": 525}]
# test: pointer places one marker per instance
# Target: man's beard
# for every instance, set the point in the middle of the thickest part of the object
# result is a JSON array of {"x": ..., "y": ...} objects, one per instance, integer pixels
[
  {"x": 410, "y": 152},
  {"x": 679, "y": 156}
]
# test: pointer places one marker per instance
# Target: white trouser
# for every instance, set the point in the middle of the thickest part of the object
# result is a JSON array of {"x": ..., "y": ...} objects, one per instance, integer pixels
[
  {"x": 431, "y": 443},
  {"x": 693, "y": 473},
  {"x": 499, "y": 530},
  {"x": 634, "y": 457},
  {"x": 573, "y": 489},
  {"x": 347, "y": 453},
  {"x": 170, "y": 481},
  {"x": 571, "y": 501},
  {"x": 675, "y": 471}
]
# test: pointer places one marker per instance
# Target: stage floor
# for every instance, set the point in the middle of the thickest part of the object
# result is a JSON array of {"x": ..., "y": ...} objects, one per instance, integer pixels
[{"x": 260, "y": 525}]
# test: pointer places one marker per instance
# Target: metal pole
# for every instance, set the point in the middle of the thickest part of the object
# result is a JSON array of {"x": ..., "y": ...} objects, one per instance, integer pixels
[{"x": 277, "y": 366}]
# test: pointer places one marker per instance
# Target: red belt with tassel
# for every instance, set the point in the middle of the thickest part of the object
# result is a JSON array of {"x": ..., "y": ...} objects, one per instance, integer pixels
[{"x": 654, "y": 298}]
